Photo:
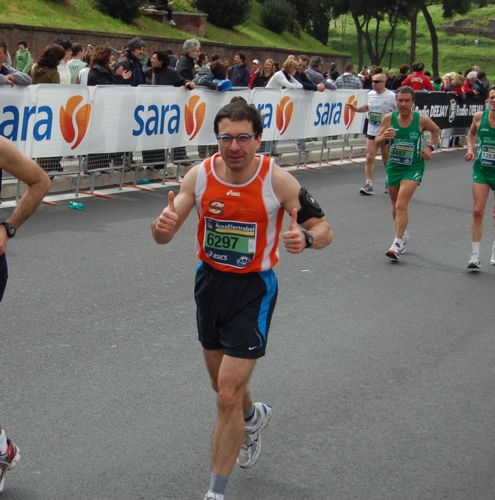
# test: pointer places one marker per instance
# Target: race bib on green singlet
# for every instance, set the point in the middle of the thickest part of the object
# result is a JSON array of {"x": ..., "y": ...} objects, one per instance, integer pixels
[
  {"x": 375, "y": 118},
  {"x": 488, "y": 155},
  {"x": 230, "y": 243},
  {"x": 402, "y": 153}
]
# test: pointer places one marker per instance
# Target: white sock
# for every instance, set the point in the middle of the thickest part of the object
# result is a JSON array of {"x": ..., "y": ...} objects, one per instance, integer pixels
[
  {"x": 398, "y": 241},
  {"x": 3, "y": 443},
  {"x": 369, "y": 181},
  {"x": 476, "y": 247}
]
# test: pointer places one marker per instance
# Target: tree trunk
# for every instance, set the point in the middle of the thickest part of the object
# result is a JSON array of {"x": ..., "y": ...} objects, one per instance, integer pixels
[
  {"x": 360, "y": 41},
  {"x": 434, "y": 39},
  {"x": 414, "y": 28}
]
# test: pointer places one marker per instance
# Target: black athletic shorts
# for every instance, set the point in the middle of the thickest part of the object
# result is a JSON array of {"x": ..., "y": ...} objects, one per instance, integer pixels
[
  {"x": 4, "y": 274},
  {"x": 234, "y": 311}
]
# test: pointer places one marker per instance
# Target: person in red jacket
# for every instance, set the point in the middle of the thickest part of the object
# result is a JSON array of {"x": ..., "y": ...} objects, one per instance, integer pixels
[
  {"x": 418, "y": 80},
  {"x": 469, "y": 81}
]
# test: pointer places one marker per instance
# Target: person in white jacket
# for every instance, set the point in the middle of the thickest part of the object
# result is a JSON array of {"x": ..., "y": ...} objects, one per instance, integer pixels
[{"x": 285, "y": 77}]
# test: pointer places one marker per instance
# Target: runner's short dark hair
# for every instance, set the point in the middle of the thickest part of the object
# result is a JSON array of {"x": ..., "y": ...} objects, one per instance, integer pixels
[
  {"x": 239, "y": 111},
  {"x": 406, "y": 90}
]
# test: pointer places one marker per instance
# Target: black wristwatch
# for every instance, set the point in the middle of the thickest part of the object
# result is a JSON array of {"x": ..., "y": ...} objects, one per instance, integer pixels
[
  {"x": 432, "y": 147},
  {"x": 11, "y": 230},
  {"x": 309, "y": 238}
]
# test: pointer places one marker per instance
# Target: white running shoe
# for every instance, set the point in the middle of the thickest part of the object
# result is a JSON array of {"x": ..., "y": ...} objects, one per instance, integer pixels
[
  {"x": 211, "y": 495},
  {"x": 8, "y": 461},
  {"x": 405, "y": 239},
  {"x": 492, "y": 260},
  {"x": 474, "y": 262},
  {"x": 251, "y": 447},
  {"x": 172, "y": 22},
  {"x": 394, "y": 251}
]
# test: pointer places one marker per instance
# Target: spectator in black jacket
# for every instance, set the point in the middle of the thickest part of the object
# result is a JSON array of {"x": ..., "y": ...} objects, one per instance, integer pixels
[
  {"x": 301, "y": 77},
  {"x": 263, "y": 77},
  {"x": 101, "y": 74},
  {"x": 404, "y": 71},
  {"x": 161, "y": 73},
  {"x": 185, "y": 68},
  {"x": 132, "y": 61}
]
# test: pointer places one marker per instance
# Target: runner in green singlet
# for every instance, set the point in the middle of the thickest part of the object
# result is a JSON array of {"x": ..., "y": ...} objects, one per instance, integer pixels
[
  {"x": 406, "y": 162},
  {"x": 483, "y": 126}
]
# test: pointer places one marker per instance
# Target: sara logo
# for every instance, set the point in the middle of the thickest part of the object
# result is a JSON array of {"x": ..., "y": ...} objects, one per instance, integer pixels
[
  {"x": 348, "y": 114},
  {"x": 194, "y": 116},
  {"x": 74, "y": 135},
  {"x": 284, "y": 114}
]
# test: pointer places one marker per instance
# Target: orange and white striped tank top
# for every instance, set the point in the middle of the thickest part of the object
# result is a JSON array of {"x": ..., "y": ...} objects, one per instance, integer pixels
[{"x": 239, "y": 224}]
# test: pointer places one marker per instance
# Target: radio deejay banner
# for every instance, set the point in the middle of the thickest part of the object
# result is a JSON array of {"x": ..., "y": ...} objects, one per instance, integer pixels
[{"x": 448, "y": 110}]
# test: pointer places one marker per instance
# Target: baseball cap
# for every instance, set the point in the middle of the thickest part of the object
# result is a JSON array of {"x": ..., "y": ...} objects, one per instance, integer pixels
[{"x": 255, "y": 61}]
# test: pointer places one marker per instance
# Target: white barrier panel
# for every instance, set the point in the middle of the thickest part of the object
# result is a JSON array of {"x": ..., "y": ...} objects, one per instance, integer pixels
[{"x": 61, "y": 120}]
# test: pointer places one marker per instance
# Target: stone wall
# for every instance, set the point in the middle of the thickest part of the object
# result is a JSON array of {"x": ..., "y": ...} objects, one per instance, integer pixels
[
  {"x": 38, "y": 37},
  {"x": 190, "y": 22}
]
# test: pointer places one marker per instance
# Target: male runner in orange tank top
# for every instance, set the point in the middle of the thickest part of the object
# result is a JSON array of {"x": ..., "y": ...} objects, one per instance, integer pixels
[{"x": 240, "y": 199}]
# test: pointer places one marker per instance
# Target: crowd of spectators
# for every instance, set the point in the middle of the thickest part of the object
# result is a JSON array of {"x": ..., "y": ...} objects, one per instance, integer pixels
[
  {"x": 66, "y": 63},
  {"x": 74, "y": 64}
]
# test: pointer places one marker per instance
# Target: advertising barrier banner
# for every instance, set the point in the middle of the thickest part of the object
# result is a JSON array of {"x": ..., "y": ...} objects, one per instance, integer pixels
[
  {"x": 448, "y": 110},
  {"x": 63, "y": 120}
]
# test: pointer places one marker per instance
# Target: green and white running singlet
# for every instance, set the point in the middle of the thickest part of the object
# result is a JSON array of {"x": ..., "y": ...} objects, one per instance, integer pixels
[
  {"x": 484, "y": 165},
  {"x": 404, "y": 160}
]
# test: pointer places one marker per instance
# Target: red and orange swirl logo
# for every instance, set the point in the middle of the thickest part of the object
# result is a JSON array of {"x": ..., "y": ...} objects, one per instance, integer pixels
[
  {"x": 284, "y": 114},
  {"x": 81, "y": 120},
  {"x": 348, "y": 113},
  {"x": 194, "y": 116}
]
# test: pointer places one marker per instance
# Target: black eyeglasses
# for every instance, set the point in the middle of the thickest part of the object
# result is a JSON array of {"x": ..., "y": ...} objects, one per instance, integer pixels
[
  {"x": 376, "y": 81},
  {"x": 242, "y": 139}
]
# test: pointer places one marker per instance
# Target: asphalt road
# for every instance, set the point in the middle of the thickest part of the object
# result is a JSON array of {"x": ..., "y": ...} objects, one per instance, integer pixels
[{"x": 381, "y": 375}]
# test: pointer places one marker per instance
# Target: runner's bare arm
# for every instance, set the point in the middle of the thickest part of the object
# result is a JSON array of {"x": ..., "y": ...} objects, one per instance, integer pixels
[
  {"x": 426, "y": 123},
  {"x": 471, "y": 136},
  {"x": 26, "y": 170},
  {"x": 380, "y": 138},
  {"x": 287, "y": 190},
  {"x": 166, "y": 225}
]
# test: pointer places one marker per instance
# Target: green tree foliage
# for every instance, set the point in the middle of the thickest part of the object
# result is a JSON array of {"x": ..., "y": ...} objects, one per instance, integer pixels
[
  {"x": 277, "y": 15},
  {"x": 225, "y": 13},
  {"x": 125, "y": 10}
]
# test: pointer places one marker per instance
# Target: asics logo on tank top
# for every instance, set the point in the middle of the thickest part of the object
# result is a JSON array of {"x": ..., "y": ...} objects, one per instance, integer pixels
[{"x": 233, "y": 193}]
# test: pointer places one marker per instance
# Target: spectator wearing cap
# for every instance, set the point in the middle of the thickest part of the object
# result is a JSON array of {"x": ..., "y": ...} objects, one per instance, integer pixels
[
  {"x": 315, "y": 75},
  {"x": 255, "y": 69},
  {"x": 134, "y": 52},
  {"x": 239, "y": 72}
]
